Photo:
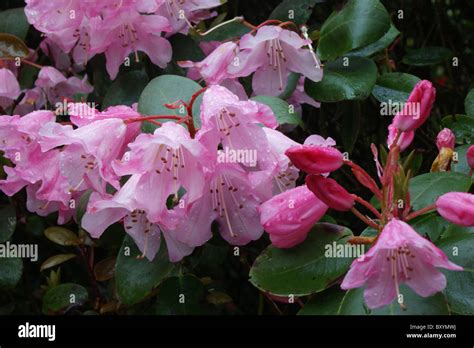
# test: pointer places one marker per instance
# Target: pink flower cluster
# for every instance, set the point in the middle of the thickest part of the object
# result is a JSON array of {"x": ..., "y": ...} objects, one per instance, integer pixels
[{"x": 114, "y": 27}]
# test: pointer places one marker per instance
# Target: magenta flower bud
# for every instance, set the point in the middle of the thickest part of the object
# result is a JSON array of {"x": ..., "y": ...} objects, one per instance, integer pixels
[
  {"x": 405, "y": 139},
  {"x": 315, "y": 159},
  {"x": 289, "y": 216},
  {"x": 330, "y": 192},
  {"x": 445, "y": 138},
  {"x": 470, "y": 156},
  {"x": 457, "y": 207},
  {"x": 417, "y": 108}
]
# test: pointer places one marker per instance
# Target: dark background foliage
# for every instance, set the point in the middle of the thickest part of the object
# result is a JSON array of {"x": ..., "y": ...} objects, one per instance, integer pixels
[{"x": 445, "y": 23}]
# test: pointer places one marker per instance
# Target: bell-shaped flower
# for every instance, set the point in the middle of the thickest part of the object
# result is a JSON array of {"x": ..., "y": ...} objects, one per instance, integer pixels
[
  {"x": 9, "y": 88},
  {"x": 400, "y": 255},
  {"x": 457, "y": 207},
  {"x": 271, "y": 55}
]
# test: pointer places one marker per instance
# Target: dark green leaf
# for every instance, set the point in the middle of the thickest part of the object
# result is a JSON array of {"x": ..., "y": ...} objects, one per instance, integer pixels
[
  {"x": 185, "y": 48},
  {"x": 430, "y": 225},
  {"x": 426, "y": 188},
  {"x": 304, "y": 269},
  {"x": 469, "y": 103},
  {"x": 7, "y": 222},
  {"x": 280, "y": 108},
  {"x": 14, "y": 22},
  {"x": 461, "y": 166},
  {"x": 459, "y": 249},
  {"x": 167, "y": 89},
  {"x": 358, "y": 24},
  {"x": 126, "y": 89},
  {"x": 394, "y": 87},
  {"x": 297, "y": 11},
  {"x": 291, "y": 85},
  {"x": 378, "y": 45},
  {"x": 137, "y": 277},
  {"x": 10, "y": 272},
  {"x": 427, "y": 56},
  {"x": 348, "y": 78},
  {"x": 183, "y": 295},
  {"x": 64, "y": 297}
]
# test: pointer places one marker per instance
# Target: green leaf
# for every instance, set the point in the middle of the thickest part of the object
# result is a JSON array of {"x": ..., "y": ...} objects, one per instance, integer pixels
[
  {"x": 183, "y": 295},
  {"x": 335, "y": 301},
  {"x": 56, "y": 260},
  {"x": 227, "y": 32},
  {"x": 353, "y": 304},
  {"x": 459, "y": 249},
  {"x": 394, "y": 87},
  {"x": 426, "y": 188},
  {"x": 280, "y": 108},
  {"x": 461, "y": 166},
  {"x": 82, "y": 206},
  {"x": 469, "y": 103},
  {"x": 126, "y": 89},
  {"x": 167, "y": 89},
  {"x": 11, "y": 270},
  {"x": 304, "y": 269},
  {"x": 14, "y": 22},
  {"x": 378, "y": 45},
  {"x": 358, "y": 24},
  {"x": 461, "y": 125},
  {"x": 297, "y": 11},
  {"x": 62, "y": 236},
  {"x": 7, "y": 222},
  {"x": 137, "y": 277},
  {"x": 12, "y": 47},
  {"x": 348, "y": 78},
  {"x": 430, "y": 225},
  {"x": 63, "y": 297},
  {"x": 427, "y": 56},
  {"x": 291, "y": 85}
]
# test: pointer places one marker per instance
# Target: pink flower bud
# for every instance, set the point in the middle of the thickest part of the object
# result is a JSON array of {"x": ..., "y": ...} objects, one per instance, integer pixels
[
  {"x": 315, "y": 159},
  {"x": 417, "y": 108},
  {"x": 289, "y": 216},
  {"x": 470, "y": 156},
  {"x": 405, "y": 139},
  {"x": 457, "y": 207},
  {"x": 445, "y": 138},
  {"x": 330, "y": 192}
]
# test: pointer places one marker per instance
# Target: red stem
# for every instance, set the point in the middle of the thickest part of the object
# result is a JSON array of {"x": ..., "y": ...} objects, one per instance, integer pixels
[
  {"x": 150, "y": 118},
  {"x": 420, "y": 212},
  {"x": 367, "y": 205},
  {"x": 364, "y": 219},
  {"x": 190, "y": 122}
]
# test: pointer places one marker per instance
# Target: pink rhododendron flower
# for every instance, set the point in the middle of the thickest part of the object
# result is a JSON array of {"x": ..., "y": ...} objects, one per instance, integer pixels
[
  {"x": 105, "y": 211},
  {"x": 236, "y": 126},
  {"x": 126, "y": 31},
  {"x": 417, "y": 108},
  {"x": 400, "y": 255},
  {"x": 9, "y": 88},
  {"x": 314, "y": 159},
  {"x": 228, "y": 198},
  {"x": 34, "y": 99},
  {"x": 57, "y": 87},
  {"x": 457, "y": 207},
  {"x": 405, "y": 139},
  {"x": 166, "y": 160},
  {"x": 445, "y": 138},
  {"x": 271, "y": 54},
  {"x": 86, "y": 162},
  {"x": 299, "y": 97},
  {"x": 182, "y": 14},
  {"x": 330, "y": 192},
  {"x": 289, "y": 216},
  {"x": 213, "y": 69}
]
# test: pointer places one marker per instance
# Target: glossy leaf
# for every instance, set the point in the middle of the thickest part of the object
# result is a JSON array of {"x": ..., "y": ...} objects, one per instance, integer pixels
[
  {"x": 280, "y": 108},
  {"x": 7, "y": 222},
  {"x": 358, "y": 24},
  {"x": 14, "y": 22},
  {"x": 11, "y": 270},
  {"x": 427, "y": 56},
  {"x": 126, "y": 89},
  {"x": 62, "y": 236},
  {"x": 56, "y": 260},
  {"x": 394, "y": 87},
  {"x": 348, "y": 78},
  {"x": 304, "y": 269},
  {"x": 63, "y": 297},
  {"x": 296, "y": 11},
  {"x": 378, "y": 45}
]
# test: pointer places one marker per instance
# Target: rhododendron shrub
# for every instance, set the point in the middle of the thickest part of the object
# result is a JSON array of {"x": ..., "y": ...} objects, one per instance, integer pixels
[{"x": 169, "y": 144}]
